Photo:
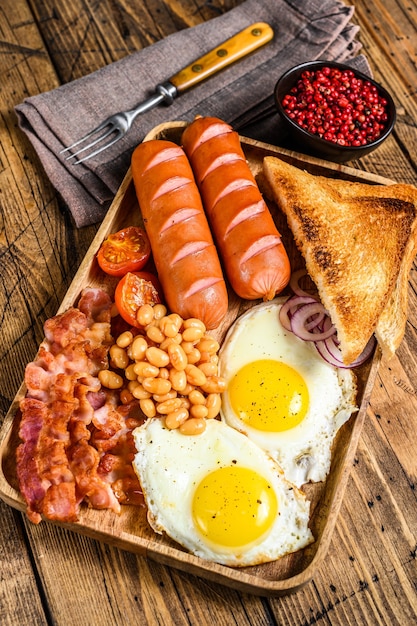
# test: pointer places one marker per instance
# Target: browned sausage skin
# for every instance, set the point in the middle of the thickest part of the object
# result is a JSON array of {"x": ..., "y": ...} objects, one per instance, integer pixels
[
  {"x": 182, "y": 245},
  {"x": 254, "y": 257}
]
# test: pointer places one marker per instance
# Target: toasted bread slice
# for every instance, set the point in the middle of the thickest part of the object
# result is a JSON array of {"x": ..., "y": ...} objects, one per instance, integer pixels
[
  {"x": 391, "y": 325},
  {"x": 358, "y": 241},
  {"x": 392, "y": 322}
]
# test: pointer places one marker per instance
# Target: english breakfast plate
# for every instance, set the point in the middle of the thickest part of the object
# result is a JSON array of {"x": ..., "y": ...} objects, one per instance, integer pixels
[{"x": 130, "y": 530}]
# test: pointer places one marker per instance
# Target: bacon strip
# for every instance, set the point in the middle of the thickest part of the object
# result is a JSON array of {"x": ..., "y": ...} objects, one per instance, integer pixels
[{"x": 68, "y": 422}]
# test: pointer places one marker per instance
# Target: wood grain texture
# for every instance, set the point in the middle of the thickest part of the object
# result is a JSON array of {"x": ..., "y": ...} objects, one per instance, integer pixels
[{"x": 52, "y": 576}]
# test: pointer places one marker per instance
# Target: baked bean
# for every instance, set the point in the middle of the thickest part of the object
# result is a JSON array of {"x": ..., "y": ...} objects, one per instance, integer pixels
[
  {"x": 143, "y": 368},
  {"x": 166, "y": 342},
  {"x": 170, "y": 330},
  {"x": 163, "y": 397},
  {"x": 187, "y": 346},
  {"x": 198, "y": 410},
  {"x": 192, "y": 333},
  {"x": 188, "y": 389},
  {"x": 194, "y": 356},
  {"x": 125, "y": 396},
  {"x": 157, "y": 385},
  {"x": 130, "y": 373},
  {"x": 157, "y": 357},
  {"x": 145, "y": 314},
  {"x": 159, "y": 311},
  {"x": 110, "y": 379},
  {"x": 194, "y": 322},
  {"x": 131, "y": 385},
  {"x": 176, "y": 418},
  {"x": 125, "y": 339},
  {"x": 138, "y": 348},
  {"x": 193, "y": 426},
  {"x": 148, "y": 407},
  {"x": 173, "y": 404},
  {"x": 208, "y": 344},
  {"x": 196, "y": 397},
  {"x": 118, "y": 357},
  {"x": 164, "y": 372},
  {"x": 213, "y": 404},
  {"x": 114, "y": 311},
  {"x": 176, "y": 319},
  {"x": 214, "y": 384},
  {"x": 177, "y": 356},
  {"x": 139, "y": 392},
  {"x": 210, "y": 369},
  {"x": 178, "y": 379},
  {"x": 170, "y": 325},
  {"x": 195, "y": 376},
  {"x": 205, "y": 357},
  {"x": 154, "y": 323},
  {"x": 155, "y": 334}
]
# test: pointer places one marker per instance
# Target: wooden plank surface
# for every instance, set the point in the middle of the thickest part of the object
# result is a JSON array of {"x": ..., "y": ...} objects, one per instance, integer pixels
[{"x": 51, "y": 576}]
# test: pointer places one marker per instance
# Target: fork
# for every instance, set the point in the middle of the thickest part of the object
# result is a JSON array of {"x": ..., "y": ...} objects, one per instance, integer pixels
[{"x": 116, "y": 126}]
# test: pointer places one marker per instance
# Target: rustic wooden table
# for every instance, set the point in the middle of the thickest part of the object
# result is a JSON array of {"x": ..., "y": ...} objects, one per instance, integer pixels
[{"x": 52, "y": 576}]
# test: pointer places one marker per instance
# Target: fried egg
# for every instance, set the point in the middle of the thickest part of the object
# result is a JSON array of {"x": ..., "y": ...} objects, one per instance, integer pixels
[
  {"x": 219, "y": 495},
  {"x": 282, "y": 394}
]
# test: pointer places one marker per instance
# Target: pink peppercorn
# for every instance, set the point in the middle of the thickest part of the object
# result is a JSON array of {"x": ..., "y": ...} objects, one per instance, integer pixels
[{"x": 338, "y": 106}]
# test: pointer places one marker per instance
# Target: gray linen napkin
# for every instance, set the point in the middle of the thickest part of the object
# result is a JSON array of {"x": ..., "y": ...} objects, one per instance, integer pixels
[{"x": 305, "y": 30}]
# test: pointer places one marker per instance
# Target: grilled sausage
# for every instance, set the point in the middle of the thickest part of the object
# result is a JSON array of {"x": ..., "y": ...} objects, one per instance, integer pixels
[
  {"x": 185, "y": 256},
  {"x": 254, "y": 257}
]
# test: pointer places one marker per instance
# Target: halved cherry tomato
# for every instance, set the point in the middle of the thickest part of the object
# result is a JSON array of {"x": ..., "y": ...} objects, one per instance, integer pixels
[
  {"x": 128, "y": 250},
  {"x": 133, "y": 290}
]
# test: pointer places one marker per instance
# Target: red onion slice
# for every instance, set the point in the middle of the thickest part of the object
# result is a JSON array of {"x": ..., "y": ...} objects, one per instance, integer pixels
[
  {"x": 304, "y": 315},
  {"x": 331, "y": 353},
  {"x": 289, "y": 307},
  {"x": 295, "y": 284},
  {"x": 326, "y": 355},
  {"x": 299, "y": 323}
]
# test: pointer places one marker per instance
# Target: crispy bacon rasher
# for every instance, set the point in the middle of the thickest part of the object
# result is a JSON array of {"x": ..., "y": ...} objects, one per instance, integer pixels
[{"x": 76, "y": 437}]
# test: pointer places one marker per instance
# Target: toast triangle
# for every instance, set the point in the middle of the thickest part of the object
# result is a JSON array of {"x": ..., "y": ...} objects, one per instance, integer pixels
[{"x": 358, "y": 241}]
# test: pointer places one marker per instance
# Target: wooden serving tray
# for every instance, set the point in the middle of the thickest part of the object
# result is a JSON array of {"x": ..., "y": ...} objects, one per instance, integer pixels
[{"x": 130, "y": 530}]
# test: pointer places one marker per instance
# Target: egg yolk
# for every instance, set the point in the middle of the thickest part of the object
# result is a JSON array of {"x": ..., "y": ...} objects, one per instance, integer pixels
[
  {"x": 234, "y": 506},
  {"x": 269, "y": 395}
]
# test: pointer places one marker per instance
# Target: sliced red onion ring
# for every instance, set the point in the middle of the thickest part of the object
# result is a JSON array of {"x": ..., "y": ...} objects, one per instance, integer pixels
[
  {"x": 326, "y": 325},
  {"x": 331, "y": 353},
  {"x": 295, "y": 284},
  {"x": 289, "y": 307},
  {"x": 305, "y": 316},
  {"x": 299, "y": 323},
  {"x": 316, "y": 320},
  {"x": 327, "y": 356}
]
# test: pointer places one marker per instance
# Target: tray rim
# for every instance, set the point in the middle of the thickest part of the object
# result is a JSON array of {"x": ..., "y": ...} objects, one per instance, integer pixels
[{"x": 165, "y": 554}]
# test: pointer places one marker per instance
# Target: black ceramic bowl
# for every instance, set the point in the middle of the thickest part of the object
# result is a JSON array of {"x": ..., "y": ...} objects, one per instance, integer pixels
[{"x": 304, "y": 141}]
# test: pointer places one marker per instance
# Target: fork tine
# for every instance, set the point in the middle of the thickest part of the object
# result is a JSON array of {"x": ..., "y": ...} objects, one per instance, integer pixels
[
  {"x": 111, "y": 130},
  {"x": 92, "y": 154},
  {"x": 87, "y": 136}
]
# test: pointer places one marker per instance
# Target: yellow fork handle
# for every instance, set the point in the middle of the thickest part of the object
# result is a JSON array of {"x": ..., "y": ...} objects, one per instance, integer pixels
[{"x": 235, "y": 48}]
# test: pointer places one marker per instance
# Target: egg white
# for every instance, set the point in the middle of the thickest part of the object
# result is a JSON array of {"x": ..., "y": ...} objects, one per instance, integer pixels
[
  {"x": 304, "y": 451},
  {"x": 170, "y": 466}
]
